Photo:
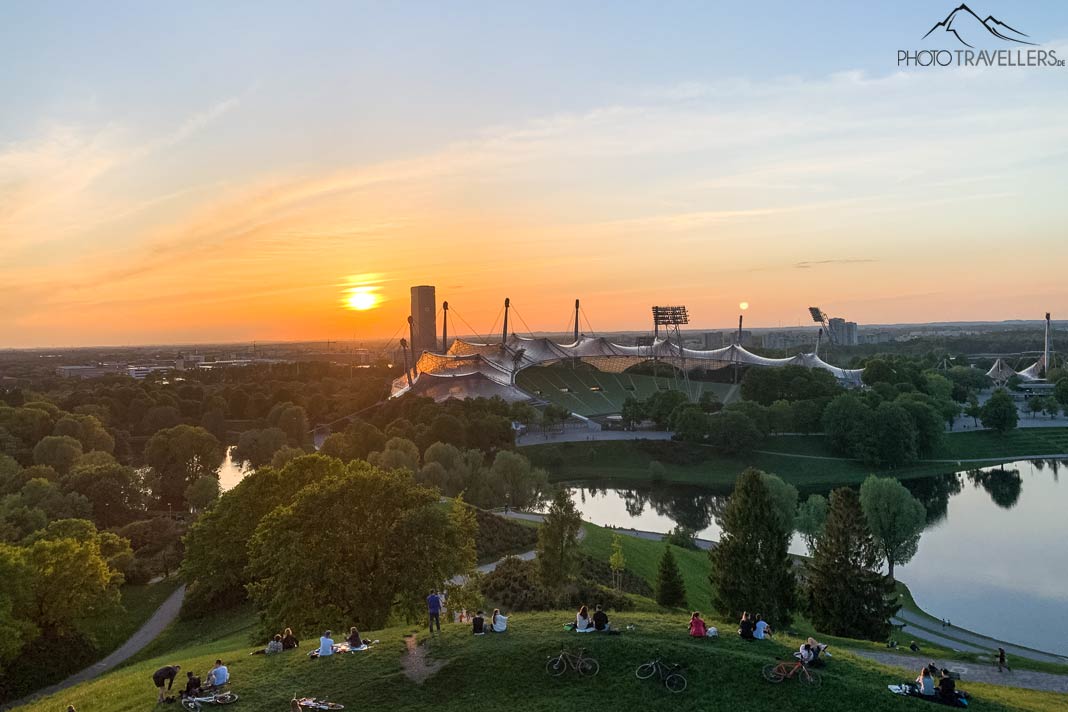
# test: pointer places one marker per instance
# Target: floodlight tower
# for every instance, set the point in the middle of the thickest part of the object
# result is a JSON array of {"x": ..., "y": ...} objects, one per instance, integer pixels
[
  {"x": 820, "y": 318},
  {"x": 672, "y": 318}
]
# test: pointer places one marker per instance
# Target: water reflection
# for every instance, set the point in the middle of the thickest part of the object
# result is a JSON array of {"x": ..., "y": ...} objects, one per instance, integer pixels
[{"x": 992, "y": 546}]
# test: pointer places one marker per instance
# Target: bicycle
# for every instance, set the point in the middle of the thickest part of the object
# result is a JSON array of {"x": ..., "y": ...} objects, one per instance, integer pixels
[
  {"x": 310, "y": 703},
  {"x": 783, "y": 669},
  {"x": 194, "y": 702},
  {"x": 671, "y": 675},
  {"x": 583, "y": 665}
]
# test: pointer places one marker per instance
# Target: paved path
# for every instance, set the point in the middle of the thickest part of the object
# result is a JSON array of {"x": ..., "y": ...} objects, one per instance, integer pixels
[
  {"x": 162, "y": 618},
  {"x": 971, "y": 672},
  {"x": 961, "y": 639}
]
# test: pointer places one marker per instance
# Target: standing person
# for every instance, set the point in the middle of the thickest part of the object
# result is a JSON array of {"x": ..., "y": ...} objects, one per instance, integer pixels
[
  {"x": 1002, "y": 661},
  {"x": 165, "y": 675},
  {"x": 326, "y": 645},
  {"x": 433, "y": 607},
  {"x": 761, "y": 629}
]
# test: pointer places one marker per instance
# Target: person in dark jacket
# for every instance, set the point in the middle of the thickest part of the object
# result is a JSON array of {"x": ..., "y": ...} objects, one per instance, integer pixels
[
  {"x": 289, "y": 641},
  {"x": 354, "y": 640},
  {"x": 192, "y": 685},
  {"x": 478, "y": 624},
  {"x": 745, "y": 627},
  {"x": 600, "y": 619},
  {"x": 165, "y": 676}
]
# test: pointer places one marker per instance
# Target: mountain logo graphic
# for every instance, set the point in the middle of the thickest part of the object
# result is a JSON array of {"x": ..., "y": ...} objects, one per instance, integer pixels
[{"x": 968, "y": 28}]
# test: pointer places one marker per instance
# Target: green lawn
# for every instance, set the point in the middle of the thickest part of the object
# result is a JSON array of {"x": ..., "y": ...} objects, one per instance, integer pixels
[
  {"x": 139, "y": 603},
  {"x": 694, "y": 465},
  {"x": 643, "y": 558},
  {"x": 506, "y": 672}
]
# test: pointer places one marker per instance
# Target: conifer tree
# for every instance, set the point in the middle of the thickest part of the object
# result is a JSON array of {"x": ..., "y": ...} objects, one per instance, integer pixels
[
  {"x": 847, "y": 595},
  {"x": 751, "y": 566},
  {"x": 558, "y": 555},
  {"x": 670, "y": 588}
]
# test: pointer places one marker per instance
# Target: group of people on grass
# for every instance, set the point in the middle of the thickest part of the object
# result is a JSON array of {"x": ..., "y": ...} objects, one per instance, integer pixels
[
  {"x": 327, "y": 646},
  {"x": 944, "y": 690},
  {"x": 280, "y": 642},
  {"x": 164, "y": 678},
  {"x": 753, "y": 627},
  {"x": 586, "y": 623}
]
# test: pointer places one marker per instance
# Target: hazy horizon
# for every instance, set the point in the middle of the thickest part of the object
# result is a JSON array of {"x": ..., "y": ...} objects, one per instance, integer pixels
[{"x": 258, "y": 171}]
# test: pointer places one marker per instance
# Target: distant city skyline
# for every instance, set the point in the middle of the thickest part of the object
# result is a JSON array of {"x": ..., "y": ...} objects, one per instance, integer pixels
[{"x": 262, "y": 171}]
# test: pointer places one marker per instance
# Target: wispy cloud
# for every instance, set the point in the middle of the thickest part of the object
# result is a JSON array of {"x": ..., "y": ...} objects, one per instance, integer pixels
[{"x": 818, "y": 263}]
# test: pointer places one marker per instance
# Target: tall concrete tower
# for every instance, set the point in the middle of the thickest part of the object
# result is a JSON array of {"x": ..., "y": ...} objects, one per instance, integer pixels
[{"x": 424, "y": 320}]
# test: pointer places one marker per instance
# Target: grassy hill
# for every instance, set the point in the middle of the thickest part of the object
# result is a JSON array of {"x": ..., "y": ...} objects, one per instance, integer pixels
[{"x": 507, "y": 672}]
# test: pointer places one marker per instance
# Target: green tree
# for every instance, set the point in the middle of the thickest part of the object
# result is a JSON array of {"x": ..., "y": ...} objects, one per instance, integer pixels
[
  {"x": 522, "y": 484},
  {"x": 733, "y": 433},
  {"x": 374, "y": 542},
  {"x": 751, "y": 567},
  {"x": 896, "y": 519},
  {"x": 662, "y": 404},
  {"x": 71, "y": 583},
  {"x": 973, "y": 409},
  {"x": 847, "y": 421},
  {"x": 257, "y": 447},
  {"x": 893, "y": 437},
  {"x": 398, "y": 454},
  {"x": 180, "y": 456},
  {"x": 617, "y": 562},
  {"x": 783, "y": 500},
  {"x": 557, "y": 551},
  {"x": 689, "y": 423},
  {"x": 811, "y": 515},
  {"x": 1035, "y": 405},
  {"x": 16, "y": 603},
  {"x": 1050, "y": 406},
  {"x": 999, "y": 412},
  {"x": 113, "y": 489},
  {"x": 1060, "y": 392},
  {"x": 202, "y": 493},
  {"x": 632, "y": 412},
  {"x": 59, "y": 452},
  {"x": 847, "y": 595},
  {"x": 670, "y": 588}
]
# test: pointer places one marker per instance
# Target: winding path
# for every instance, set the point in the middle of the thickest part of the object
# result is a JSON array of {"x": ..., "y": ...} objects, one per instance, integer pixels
[
  {"x": 162, "y": 618},
  {"x": 971, "y": 672},
  {"x": 965, "y": 640}
]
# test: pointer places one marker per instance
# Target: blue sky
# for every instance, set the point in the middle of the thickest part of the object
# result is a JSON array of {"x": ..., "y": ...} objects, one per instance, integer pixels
[{"x": 142, "y": 144}]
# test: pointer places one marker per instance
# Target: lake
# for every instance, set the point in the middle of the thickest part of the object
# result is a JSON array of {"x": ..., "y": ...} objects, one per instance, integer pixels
[{"x": 993, "y": 558}]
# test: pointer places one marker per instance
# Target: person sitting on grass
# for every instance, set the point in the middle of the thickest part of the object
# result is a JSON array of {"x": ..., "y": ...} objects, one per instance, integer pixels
[
  {"x": 600, "y": 619},
  {"x": 913, "y": 647},
  {"x": 192, "y": 685},
  {"x": 745, "y": 627},
  {"x": 947, "y": 688},
  {"x": 698, "y": 629},
  {"x": 354, "y": 640},
  {"x": 326, "y": 645},
  {"x": 165, "y": 675},
  {"x": 925, "y": 683},
  {"x": 478, "y": 624},
  {"x": 218, "y": 676},
  {"x": 583, "y": 624},
  {"x": 761, "y": 629},
  {"x": 273, "y": 646},
  {"x": 498, "y": 623},
  {"x": 289, "y": 641}
]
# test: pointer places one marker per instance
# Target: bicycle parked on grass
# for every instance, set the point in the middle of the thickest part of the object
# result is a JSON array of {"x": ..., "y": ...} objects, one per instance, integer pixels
[
  {"x": 310, "y": 703},
  {"x": 582, "y": 664},
  {"x": 195, "y": 702},
  {"x": 671, "y": 675},
  {"x": 784, "y": 669}
]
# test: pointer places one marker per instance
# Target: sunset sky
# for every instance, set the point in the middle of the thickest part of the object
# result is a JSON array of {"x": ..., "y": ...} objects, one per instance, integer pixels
[{"x": 230, "y": 171}]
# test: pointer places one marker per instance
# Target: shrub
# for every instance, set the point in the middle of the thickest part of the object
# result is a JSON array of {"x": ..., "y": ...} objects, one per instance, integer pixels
[
  {"x": 498, "y": 536},
  {"x": 515, "y": 586}
]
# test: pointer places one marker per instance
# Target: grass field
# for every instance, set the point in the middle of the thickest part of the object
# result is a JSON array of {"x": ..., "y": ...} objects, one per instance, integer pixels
[
  {"x": 590, "y": 392},
  {"x": 507, "y": 672},
  {"x": 803, "y": 460},
  {"x": 139, "y": 603}
]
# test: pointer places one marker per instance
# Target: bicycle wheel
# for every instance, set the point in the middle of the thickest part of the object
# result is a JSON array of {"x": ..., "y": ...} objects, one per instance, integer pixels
[
  {"x": 556, "y": 666},
  {"x": 588, "y": 666},
  {"x": 225, "y": 698},
  {"x": 812, "y": 678},
  {"x": 773, "y": 673},
  {"x": 191, "y": 705},
  {"x": 675, "y": 682},
  {"x": 645, "y": 671},
  {"x": 334, "y": 706}
]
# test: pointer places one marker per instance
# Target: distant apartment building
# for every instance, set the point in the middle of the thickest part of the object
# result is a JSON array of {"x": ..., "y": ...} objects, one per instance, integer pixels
[
  {"x": 780, "y": 340},
  {"x": 91, "y": 371},
  {"x": 424, "y": 320},
  {"x": 843, "y": 332},
  {"x": 876, "y": 337},
  {"x": 712, "y": 340}
]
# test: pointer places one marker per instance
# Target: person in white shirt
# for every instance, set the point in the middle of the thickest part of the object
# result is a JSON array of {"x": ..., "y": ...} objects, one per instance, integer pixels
[
  {"x": 761, "y": 629},
  {"x": 326, "y": 645},
  {"x": 583, "y": 622}
]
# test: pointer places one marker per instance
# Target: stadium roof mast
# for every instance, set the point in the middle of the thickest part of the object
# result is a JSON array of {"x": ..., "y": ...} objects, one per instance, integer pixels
[
  {"x": 576, "y": 321},
  {"x": 1046, "y": 365},
  {"x": 672, "y": 318},
  {"x": 820, "y": 318},
  {"x": 507, "y": 306},
  {"x": 445, "y": 327}
]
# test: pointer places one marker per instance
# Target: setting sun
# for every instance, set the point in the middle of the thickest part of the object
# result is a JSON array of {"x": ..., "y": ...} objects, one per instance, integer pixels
[{"x": 361, "y": 298}]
